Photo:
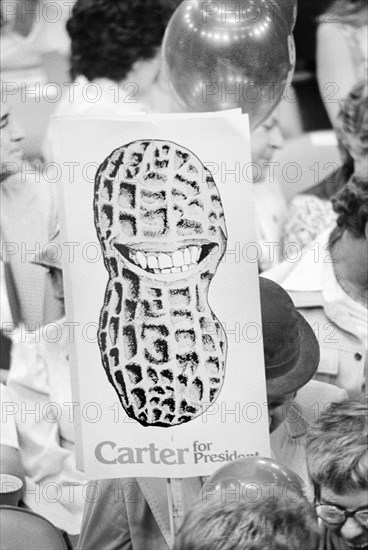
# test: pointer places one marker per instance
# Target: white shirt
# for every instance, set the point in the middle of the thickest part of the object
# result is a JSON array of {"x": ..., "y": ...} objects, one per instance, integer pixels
[
  {"x": 39, "y": 381},
  {"x": 343, "y": 303}
]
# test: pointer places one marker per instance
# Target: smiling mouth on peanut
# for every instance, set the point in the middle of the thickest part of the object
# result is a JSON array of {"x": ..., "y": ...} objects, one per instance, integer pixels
[{"x": 180, "y": 260}]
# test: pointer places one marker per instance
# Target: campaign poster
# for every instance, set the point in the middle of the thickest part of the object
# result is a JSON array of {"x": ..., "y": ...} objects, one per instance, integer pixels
[{"x": 162, "y": 293}]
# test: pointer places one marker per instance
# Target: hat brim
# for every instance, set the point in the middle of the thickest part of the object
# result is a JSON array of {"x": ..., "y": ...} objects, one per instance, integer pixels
[{"x": 304, "y": 369}]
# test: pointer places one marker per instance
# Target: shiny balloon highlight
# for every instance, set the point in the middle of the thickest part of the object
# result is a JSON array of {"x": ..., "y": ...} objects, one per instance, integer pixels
[
  {"x": 224, "y": 55},
  {"x": 250, "y": 479},
  {"x": 289, "y": 11}
]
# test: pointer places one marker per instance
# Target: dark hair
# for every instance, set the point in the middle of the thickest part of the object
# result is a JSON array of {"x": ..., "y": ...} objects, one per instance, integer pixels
[
  {"x": 351, "y": 206},
  {"x": 109, "y": 36},
  {"x": 269, "y": 524},
  {"x": 336, "y": 446}
]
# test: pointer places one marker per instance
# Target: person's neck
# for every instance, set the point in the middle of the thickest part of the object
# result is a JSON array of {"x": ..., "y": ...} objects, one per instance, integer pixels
[{"x": 350, "y": 266}]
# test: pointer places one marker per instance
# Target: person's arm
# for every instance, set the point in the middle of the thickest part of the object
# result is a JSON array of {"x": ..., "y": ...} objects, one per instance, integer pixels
[{"x": 335, "y": 70}]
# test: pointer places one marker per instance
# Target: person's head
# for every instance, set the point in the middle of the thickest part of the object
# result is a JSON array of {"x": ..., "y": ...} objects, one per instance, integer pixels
[
  {"x": 11, "y": 136},
  {"x": 268, "y": 524},
  {"x": 291, "y": 350},
  {"x": 113, "y": 39},
  {"x": 337, "y": 457},
  {"x": 265, "y": 140},
  {"x": 352, "y": 129}
]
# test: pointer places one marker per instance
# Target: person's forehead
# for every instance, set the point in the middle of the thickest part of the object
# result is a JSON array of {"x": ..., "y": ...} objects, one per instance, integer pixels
[{"x": 350, "y": 500}]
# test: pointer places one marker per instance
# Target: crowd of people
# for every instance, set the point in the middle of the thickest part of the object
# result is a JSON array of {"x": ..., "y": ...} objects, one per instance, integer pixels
[{"x": 315, "y": 356}]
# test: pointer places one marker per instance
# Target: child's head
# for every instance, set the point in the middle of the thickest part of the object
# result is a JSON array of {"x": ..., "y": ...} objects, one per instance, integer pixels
[
  {"x": 337, "y": 456},
  {"x": 268, "y": 524}
]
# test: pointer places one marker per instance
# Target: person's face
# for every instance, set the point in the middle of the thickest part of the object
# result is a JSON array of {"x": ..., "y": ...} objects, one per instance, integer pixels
[
  {"x": 265, "y": 140},
  {"x": 11, "y": 137},
  {"x": 277, "y": 409},
  {"x": 351, "y": 535}
]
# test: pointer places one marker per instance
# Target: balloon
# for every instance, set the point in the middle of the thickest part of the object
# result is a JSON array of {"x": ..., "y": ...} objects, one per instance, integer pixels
[
  {"x": 225, "y": 55},
  {"x": 289, "y": 10},
  {"x": 251, "y": 478}
]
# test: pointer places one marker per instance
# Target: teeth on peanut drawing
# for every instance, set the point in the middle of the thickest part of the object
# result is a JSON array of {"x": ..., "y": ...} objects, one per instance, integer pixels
[
  {"x": 187, "y": 258},
  {"x": 152, "y": 262},
  {"x": 141, "y": 259},
  {"x": 194, "y": 254},
  {"x": 178, "y": 258},
  {"x": 164, "y": 261},
  {"x": 155, "y": 347}
]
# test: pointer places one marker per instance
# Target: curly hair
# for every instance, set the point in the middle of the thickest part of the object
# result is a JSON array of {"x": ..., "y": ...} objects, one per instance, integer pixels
[
  {"x": 352, "y": 138},
  {"x": 352, "y": 127},
  {"x": 351, "y": 206},
  {"x": 268, "y": 524},
  {"x": 109, "y": 36},
  {"x": 336, "y": 447}
]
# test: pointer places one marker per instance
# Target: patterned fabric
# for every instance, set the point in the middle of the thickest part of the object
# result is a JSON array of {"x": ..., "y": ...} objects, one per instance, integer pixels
[
  {"x": 308, "y": 217},
  {"x": 270, "y": 209}
]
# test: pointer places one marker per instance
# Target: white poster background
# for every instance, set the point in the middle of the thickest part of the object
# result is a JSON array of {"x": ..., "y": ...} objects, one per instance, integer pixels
[{"x": 236, "y": 424}]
